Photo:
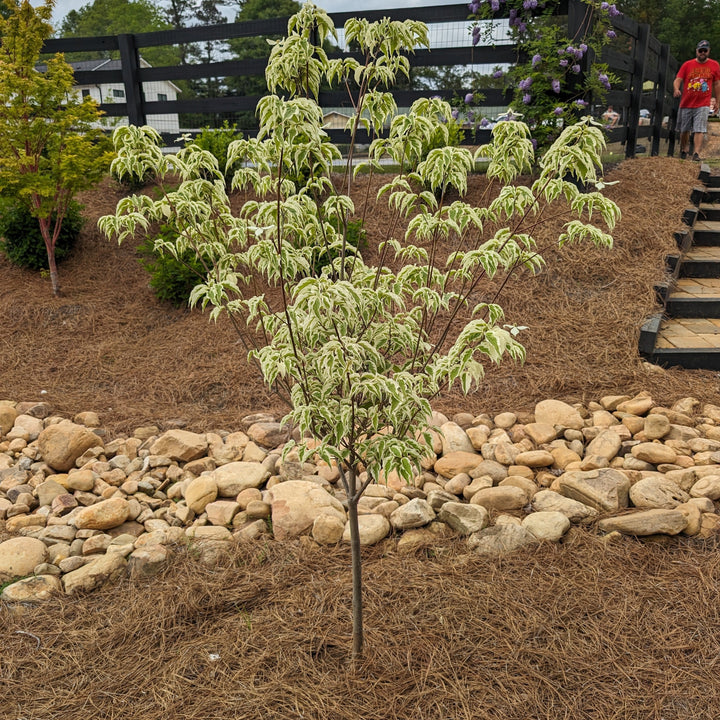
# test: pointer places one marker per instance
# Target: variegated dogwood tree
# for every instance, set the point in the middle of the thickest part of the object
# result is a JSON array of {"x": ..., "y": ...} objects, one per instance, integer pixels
[{"x": 359, "y": 351}]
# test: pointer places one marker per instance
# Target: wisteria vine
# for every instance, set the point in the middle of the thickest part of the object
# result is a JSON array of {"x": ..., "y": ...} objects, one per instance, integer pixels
[{"x": 556, "y": 76}]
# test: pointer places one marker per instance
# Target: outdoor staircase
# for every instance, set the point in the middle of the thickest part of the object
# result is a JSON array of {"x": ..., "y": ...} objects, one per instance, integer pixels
[{"x": 687, "y": 333}]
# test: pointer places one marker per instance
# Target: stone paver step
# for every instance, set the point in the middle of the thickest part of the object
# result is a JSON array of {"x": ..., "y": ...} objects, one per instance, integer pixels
[
  {"x": 708, "y": 253},
  {"x": 694, "y": 298},
  {"x": 699, "y": 261},
  {"x": 686, "y": 333},
  {"x": 696, "y": 288},
  {"x": 707, "y": 225},
  {"x": 692, "y": 343}
]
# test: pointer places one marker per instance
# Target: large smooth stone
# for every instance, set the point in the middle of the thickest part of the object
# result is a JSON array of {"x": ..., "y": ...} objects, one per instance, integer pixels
[
  {"x": 296, "y": 504},
  {"x": 646, "y": 522},
  {"x": 20, "y": 555},
  {"x": 60, "y": 445},
  {"x": 103, "y": 515}
]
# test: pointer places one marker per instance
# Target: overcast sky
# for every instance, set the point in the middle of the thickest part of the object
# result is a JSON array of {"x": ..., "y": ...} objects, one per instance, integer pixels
[{"x": 63, "y": 7}]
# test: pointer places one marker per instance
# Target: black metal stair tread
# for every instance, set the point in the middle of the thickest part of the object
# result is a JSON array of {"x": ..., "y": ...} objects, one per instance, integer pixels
[
  {"x": 693, "y": 308},
  {"x": 708, "y": 211},
  {"x": 690, "y": 359}
]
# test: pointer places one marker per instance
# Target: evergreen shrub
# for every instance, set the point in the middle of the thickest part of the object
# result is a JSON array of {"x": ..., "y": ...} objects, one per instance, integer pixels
[
  {"x": 172, "y": 279},
  {"x": 217, "y": 141},
  {"x": 21, "y": 239}
]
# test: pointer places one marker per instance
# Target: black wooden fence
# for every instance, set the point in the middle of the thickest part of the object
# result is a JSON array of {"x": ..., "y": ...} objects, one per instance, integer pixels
[{"x": 645, "y": 67}]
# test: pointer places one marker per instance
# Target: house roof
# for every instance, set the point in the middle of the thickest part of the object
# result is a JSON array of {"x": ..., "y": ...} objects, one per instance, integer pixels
[
  {"x": 105, "y": 64},
  {"x": 99, "y": 64}
]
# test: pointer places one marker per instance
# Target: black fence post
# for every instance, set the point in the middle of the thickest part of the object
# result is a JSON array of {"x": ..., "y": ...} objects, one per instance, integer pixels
[
  {"x": 134, "y": 96},
  {"x": 636, "y": 87},
  {"x": 672, "y": 124},
  {"x": 660, "y": 90}
]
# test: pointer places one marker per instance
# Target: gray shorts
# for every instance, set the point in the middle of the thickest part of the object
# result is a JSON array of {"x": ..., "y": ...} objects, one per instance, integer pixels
[{"x": 693, "y": 120}]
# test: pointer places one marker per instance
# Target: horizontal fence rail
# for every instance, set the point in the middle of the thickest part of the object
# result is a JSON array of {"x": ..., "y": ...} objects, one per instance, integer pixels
[{"x": 644, "y": 65}]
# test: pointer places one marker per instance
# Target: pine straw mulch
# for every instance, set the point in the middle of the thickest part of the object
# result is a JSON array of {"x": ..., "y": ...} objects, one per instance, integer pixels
[
  {"x": 588, "y": 629},
  {"x": 585, "y": 629},
  {"x": 108, "y": 345}
]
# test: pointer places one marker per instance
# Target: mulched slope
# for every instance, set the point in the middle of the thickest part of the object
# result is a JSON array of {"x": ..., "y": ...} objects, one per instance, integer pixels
[
  {"x": 108, "y": 345},
  {"x": 588, "y": 629},
  {"x": 583, "y": 629}
]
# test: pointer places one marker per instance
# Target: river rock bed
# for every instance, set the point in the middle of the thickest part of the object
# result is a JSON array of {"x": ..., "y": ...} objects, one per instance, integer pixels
[{"x": 82, "y": 509}]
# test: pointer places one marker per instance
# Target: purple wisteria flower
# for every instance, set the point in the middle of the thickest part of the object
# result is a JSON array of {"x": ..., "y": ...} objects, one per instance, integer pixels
[
  {"x": 555, "y": 84},
  {"x": 536, "y": 59},
  {"x": 527, "y": 97},
  {"x": 469, "y": 98},
  {"x": 494, "y": 5},
  {"x": 484, "y": 122},
  {"x": 534, "y": 143},
  {"x": 564, "y": 62},
  {"x": 604, "y": 81},
  {"x": 530, "y": 4},
  {"x": 611, "y": 34},
  {"x": 454, "y": 114},
  {"x": 558, "y": 110},
  {"x": 581, "y": 103},
  {"x": 476, "y": 35},
  {"x": 583, "y": 47},
  {"x": 575, "y": 69},
  {"x": 498, "y": 74},
  {"x": 474, "y": 7},
  {"x": 525, "y": 84}
]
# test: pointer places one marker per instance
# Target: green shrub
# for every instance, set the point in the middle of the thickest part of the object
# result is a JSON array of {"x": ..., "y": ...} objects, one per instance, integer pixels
[
  {"x": 22, "y": 241},
  {"x": 356, "y": 239},
  {"x": 217, "y": 141},
  {"x": 171, "y": 279}
]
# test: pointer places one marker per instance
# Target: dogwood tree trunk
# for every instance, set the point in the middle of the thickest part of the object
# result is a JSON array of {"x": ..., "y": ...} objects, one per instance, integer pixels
[{"x": 356, "y": 562}]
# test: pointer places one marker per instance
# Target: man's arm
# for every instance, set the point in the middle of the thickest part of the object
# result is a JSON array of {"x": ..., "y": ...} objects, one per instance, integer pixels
[
  {"x": 716, "y": 92},
  {"x": 679, "y": 80},
  {"x": 677, "y": 86}
]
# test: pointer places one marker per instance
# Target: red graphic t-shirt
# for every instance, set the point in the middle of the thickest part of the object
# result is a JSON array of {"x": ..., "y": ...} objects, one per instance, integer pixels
[{"x": 698, "y": 79}]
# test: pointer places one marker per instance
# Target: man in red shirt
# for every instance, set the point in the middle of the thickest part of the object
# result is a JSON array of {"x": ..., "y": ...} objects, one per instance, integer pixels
[{"x": 697, "y": 81}]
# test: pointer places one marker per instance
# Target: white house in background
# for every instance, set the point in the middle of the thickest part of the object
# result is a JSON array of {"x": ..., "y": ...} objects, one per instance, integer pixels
[
  {"x": 335, "y": 120},
  {"x": 155, "y": 91}
]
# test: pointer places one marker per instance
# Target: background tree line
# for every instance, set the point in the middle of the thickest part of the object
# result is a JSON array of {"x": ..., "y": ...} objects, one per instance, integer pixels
[
  {"x": 113, "y": 17},
  {"x": 679, "y": 23}
]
